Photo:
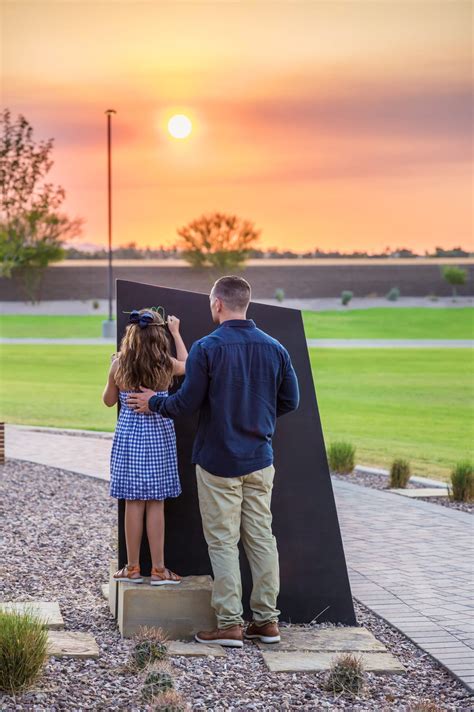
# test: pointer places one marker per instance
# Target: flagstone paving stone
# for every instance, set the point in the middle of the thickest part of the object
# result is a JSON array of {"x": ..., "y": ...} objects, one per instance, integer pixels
[
  {"x": 66, "y": 644},
  {"x": 47, "y": 611},
  {"x": 178, "y": 647},
  {"x": 421, "y": 492},
  {"x": 281, "y": 661},
  {"x": 327, "y": 639}
]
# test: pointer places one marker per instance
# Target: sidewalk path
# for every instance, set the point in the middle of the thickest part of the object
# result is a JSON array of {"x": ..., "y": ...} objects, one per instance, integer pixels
[
  {"x": 82, "y": 307},
  {"x": 318, "y": 343},
  {"x": 391, "y": 343},
  {"x": 409, "y": 561}
]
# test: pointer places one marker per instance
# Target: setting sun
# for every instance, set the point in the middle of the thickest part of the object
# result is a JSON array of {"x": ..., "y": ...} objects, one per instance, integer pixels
[{"x": 180, "y": 126}]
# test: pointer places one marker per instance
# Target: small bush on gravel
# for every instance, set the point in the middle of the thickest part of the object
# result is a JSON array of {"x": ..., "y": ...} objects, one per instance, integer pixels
[
  {"x": 346, "y": 297},
  {"x": 157, "y": 681},
  {"x": 341, "y": 456},
  {"x": 462, "y": 482},
  {"x": 393, "y": 294},
  {"x": 23, "y": 649},
  {"x": 399, "y": 474},
  {"x": 279, "y": 295},
  {"x": 346, "y": 674}
]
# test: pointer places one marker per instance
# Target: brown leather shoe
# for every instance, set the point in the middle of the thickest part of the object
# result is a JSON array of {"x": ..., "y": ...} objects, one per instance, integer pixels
[
  {"x": 266, "y": 633},
  {"x": 228, "y": 637}
]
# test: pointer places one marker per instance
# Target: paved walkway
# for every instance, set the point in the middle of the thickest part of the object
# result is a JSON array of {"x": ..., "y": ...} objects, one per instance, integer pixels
[
  {"x": 409, "y": 561},
  {"x": 391, "y": 343},
  {"x": 319, "y": 343},
  {"x": 81, "y": 307}
]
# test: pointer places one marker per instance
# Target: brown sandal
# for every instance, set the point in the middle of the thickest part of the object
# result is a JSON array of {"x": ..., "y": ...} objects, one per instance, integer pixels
[
  {"x": 160, "y": 577},
  {"x": 131, "y": 574}
]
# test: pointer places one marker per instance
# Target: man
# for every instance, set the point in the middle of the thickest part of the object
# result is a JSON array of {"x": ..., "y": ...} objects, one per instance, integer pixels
[{"x": 241, "y": 380}]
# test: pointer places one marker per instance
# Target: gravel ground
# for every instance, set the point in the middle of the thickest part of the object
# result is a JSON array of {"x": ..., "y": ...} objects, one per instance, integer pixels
[
  {"x": 57, "y": 545},
  {"x": 379, "y": 482}
]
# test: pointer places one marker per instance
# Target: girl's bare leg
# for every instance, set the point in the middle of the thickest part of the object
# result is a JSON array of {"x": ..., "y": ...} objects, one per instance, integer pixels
[
  {"x": 155, "y": 529},
  {"x": 134, "y": 510}
]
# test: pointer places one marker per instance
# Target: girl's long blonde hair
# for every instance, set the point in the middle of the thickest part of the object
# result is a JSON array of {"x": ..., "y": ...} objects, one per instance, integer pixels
[{"x": 145, "y": 356}]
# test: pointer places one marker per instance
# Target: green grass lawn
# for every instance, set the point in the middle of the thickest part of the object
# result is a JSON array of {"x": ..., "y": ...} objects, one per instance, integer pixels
[
  {"x": 415, "y": 404},
  {"x": 25, "y": 326},
  {"x": 409, "y": 403},
  {"x": 59, "y": 386},
  {"x": 380, "y": 323},
  {"x": 391, "y": 323}
]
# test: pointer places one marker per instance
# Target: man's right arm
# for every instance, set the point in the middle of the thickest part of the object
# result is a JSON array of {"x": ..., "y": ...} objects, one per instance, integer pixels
[
  {"x": 288, "y": 398},
  {"x": 189, "y": 398}
]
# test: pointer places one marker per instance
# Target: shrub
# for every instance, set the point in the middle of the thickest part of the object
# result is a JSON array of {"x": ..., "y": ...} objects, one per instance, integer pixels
[
  {"x": 279, "y": 295},
  {"x": 462, "y": 482},
  {"x": 454, "y": 276},
  {"x": 341, "y": 456},
  {"x": 399, "y": 474},
  {"x": 346, "y": 674},
  {"x": 95, "y": 304},
  {"x": 23, "y": 649},
  {"x": 393, "y": 294},
  {"x": 157, "y": 681},
  {"x": 346, "y": 297}
]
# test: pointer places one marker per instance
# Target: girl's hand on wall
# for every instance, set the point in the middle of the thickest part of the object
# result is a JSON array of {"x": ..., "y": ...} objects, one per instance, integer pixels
[{"x": 173, "y": 324}]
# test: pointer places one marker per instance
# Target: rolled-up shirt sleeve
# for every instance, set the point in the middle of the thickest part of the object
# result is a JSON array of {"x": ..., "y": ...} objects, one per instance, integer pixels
[{"x": 189, "y": 398}]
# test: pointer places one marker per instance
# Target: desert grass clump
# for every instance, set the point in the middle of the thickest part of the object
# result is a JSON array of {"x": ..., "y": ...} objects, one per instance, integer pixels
[
  {"x": 346, "y": 675},
  {"x": 426, "y": 706},
  {"x": 346, "y": 297},
  {"x": 341, "y": 456},
  {"x": 462, "y": 482},
  {"x": 23, "y": 649},
  {"x": 399, "y": 474},
  {"x": 393, "y": 294}
]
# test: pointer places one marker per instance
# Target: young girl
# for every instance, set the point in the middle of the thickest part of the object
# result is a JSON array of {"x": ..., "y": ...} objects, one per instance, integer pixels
[{"x": 144, "y": 467}]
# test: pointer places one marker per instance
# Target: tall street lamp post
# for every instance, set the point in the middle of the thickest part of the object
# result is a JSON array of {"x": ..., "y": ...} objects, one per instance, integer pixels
[{"x": 108, "y": 327}]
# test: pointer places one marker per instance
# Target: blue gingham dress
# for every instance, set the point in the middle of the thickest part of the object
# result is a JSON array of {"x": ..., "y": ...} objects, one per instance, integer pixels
[{"x": 143, "y": 462}]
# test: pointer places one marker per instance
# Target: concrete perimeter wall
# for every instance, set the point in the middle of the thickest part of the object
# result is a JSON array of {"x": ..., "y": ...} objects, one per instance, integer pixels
[{"x": 300, "y": 279}]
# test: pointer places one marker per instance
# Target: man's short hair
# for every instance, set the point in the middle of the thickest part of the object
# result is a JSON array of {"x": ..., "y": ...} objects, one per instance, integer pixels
[{"x": 235, "y": 292}]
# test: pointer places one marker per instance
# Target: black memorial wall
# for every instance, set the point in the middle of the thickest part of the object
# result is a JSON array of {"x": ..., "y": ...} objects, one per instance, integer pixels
[{"x": 314, "y": 580}]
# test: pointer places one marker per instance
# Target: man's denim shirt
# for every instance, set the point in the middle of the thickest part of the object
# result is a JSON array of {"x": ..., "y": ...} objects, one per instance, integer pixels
[{"x": 241, "y": 380}]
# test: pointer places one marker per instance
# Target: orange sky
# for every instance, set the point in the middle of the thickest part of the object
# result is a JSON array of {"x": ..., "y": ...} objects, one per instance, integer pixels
[{"x": 334, "y": 124}]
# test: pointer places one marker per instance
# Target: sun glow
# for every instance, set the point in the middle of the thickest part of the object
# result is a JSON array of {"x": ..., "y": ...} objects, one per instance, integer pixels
[{"x": 180, "y": 126}]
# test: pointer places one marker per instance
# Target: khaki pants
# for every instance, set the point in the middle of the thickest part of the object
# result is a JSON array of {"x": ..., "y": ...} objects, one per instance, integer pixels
[{"x": 234, "y": 508}]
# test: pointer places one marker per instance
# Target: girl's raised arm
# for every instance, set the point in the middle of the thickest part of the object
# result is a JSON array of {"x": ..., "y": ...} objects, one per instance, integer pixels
[
  {"x": 179, "y": 363},
  {"x": 181, "y": 350},
  {"x": 111, "y": 392}
]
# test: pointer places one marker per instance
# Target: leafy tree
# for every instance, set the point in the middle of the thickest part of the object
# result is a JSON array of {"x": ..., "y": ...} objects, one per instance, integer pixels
[
  {"x": 32, "y": 226},
  {"x": 217, "y": 240},
  {"x": 454, "y": 276}
]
